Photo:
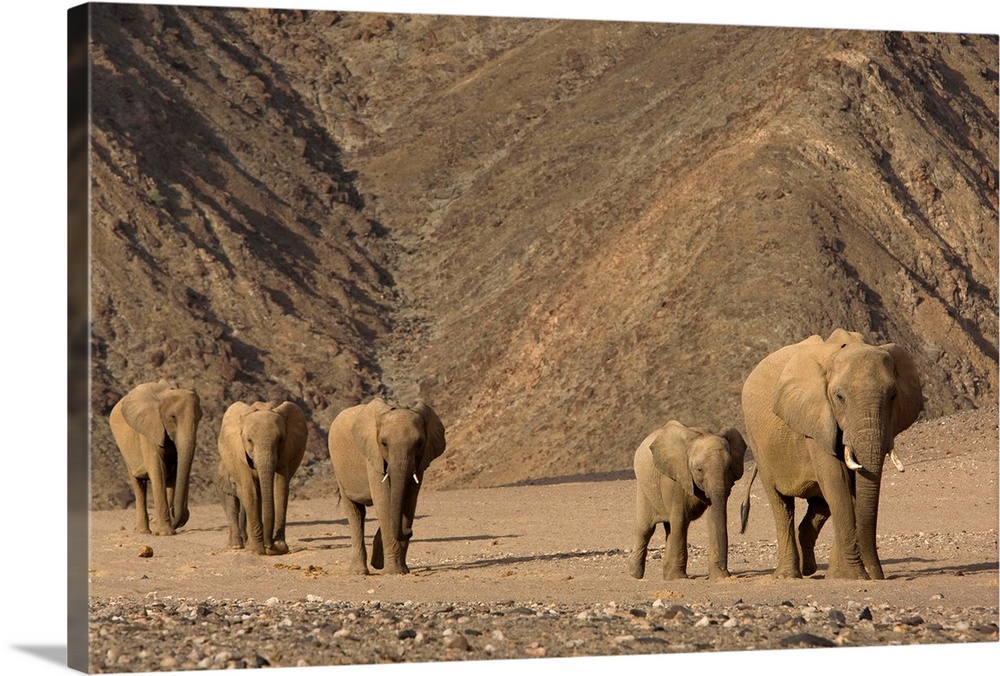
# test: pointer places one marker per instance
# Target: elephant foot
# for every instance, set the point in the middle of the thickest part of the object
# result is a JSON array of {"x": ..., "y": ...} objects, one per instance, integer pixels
[
  {"x": 848, "y": 574},
  {"x": 276, "y": 549},
  {"x": 787, "y": 573},
  {"x": 675, "y": 575},
  {"x": 808, "y": 568},
  {"x": 397, "y": 570},
  {"x": 717, "y": 574},
  {"x": 358, "y": 570},
  {"x": 164, "y": 531},
  {"x": 637, "y": 570}
]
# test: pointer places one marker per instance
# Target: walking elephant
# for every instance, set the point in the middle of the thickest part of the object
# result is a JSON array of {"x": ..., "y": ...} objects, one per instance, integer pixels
[
  {"x": 380, "y": 453},
  {"x": 260, "y": 447},
  {"x": 821, "y": 417},
  {"x": 155, "y": 427},
  {"x": 680, "y": 473}
]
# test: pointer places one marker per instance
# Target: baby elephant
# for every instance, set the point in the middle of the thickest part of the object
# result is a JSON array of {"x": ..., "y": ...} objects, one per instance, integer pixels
[
  {"x": 260, "y": 447},
  {"x": 681, "y": 472}
]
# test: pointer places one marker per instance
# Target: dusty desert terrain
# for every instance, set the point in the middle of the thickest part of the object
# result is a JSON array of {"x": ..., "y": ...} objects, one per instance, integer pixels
[
  {"x": 531, "y": 225},
  {"x": 543, "y": 565}
]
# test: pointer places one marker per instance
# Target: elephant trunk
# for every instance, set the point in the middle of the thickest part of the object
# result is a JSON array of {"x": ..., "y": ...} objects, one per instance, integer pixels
[
  {"x": 870, "y": 448},
  {"x": 868, "y": 485},
  {"x": 399, "y": 477},
  {"x": 718, "y": 544},
  {"x": 185, "y": 444},
  {"x": 265, "y": 474}
]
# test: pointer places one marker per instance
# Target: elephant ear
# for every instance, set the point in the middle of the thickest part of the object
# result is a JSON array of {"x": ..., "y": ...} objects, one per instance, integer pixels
[
  {"x": 141, "y": 410},
  {"x": 433, "y": 436},
  {"x": 365, "y": 430},
  {"x": 737, "y": 451},
  {"x": 670, "y": 453},
  {"x": 909, "y": 395},
  {"x": 294, "y": 445},
  {"x": 230, "y": 431},
  {"x": 800, "y": 398}
]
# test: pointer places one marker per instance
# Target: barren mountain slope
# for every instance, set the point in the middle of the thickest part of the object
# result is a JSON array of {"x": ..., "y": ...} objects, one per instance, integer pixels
[
  {"x": 558, "y": 233},
  {"x": 615, "y": 222},
  {"x": 230, "y": 248}
]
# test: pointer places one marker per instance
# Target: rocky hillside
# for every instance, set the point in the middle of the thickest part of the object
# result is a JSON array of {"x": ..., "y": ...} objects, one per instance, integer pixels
[{"x": 558, "y": 233}]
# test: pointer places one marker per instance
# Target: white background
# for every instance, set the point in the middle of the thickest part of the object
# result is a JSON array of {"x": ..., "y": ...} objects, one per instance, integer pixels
[{"x": 33, "y": 591}]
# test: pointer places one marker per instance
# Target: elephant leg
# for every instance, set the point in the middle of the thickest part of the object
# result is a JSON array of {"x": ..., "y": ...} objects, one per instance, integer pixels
[
  {"x": 278, "y": 544},
  {"x": 408, "y": 512},
  {"x": 141, "y": 515},
  {"x": 404, "y": 544},
  {"x": 387, "y": 551},
  {"x": 783, "y": 507},
  {"x": 675, "y": 554},
  {"x": 156, "y": 469},
  {"x": 809, "y": 528},
  {"x": 837, "y": 568},
  {"x": 356, "y": 522},
  {"x": 169, "y": 489},
  {"x": 645, "y": 525},
  {"x": 248, "y": 492},
  {"x": 231, "y": 506},
  {"x": 378, "y": 554},
  {"x": 834, "y": 483}
]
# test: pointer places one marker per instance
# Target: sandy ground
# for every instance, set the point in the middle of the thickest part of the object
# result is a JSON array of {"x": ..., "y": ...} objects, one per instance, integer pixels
[{"x": 568, "y": 542}]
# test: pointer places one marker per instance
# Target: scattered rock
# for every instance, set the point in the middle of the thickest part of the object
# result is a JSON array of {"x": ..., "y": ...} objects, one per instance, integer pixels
[
  {"x": 456, "y": 642},
  {"x": 806, "y": 639}
]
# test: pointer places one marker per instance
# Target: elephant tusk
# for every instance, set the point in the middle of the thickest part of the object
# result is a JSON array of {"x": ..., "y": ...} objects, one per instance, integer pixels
[
  {"x": 850, "y": 460},
  {"x": 415, "y": 478},
  {"x": 896, "y": 461},
  {"x": 384, "y": 477}
]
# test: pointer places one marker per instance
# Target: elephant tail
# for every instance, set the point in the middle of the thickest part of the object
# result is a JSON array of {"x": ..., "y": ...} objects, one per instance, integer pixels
[{"x": 745, "y": 507}]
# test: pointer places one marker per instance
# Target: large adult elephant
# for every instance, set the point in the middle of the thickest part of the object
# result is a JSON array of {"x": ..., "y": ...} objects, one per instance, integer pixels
[
  {"x": 260, "y": 447},
  {"x": 155, "y": 426},
  {"x": 380, "y": 453},
  {"x": 821, "y": 417}
]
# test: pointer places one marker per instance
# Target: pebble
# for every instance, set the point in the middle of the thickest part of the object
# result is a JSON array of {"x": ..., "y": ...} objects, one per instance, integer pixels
[{"x": 456, "y": 642}]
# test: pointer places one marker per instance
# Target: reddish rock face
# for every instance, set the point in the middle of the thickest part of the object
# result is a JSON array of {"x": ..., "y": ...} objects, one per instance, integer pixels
[{"x": 557, "y": 233}]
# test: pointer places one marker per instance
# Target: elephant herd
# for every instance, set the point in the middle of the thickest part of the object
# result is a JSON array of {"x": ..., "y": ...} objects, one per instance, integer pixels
[
  {"x": 379, "y": 453},
  {"x": 821, "y": 417}
]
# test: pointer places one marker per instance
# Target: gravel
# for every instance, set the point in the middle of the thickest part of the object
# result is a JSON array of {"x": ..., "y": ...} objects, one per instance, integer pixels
[{"x": 164, "y": 634}]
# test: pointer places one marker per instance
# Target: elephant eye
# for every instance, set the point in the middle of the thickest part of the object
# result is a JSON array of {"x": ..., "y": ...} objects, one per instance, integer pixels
[{"x": 840, "y": 397}]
